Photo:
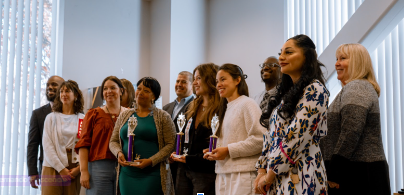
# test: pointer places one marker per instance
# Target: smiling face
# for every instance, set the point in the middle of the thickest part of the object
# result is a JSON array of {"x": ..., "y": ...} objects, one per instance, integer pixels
[
  {"x": 111, "y": 92},
  {"x": 269, "y": 74},
  {"x": 226, "y": 85},
  {"x": 52, "y": 86},
  {"x": 144, "y": 96},
  {"x": 66, "y": 96},
  {"x": 341, "y": 66},
  {"x": 291, "y": 60},
  {"x": 183, "y": 87},
  {"x": 199, "y": 85}
]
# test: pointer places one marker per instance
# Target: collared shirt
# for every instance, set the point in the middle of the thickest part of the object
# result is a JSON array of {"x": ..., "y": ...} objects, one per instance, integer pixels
[
  {"x": 178, "y": 105},
  {"x": 258, "y": 98}
]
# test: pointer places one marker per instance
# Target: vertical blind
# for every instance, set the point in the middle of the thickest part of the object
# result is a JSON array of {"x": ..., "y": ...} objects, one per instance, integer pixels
[
  {"x": 321, "y": 20},
  {"x": 27, "y": 60},
  {"x": 388, "y": 63}
]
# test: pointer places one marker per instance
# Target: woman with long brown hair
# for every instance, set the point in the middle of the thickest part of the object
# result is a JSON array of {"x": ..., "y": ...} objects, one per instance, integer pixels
[
  {"x": 240, "y": 134},
  {"x": 60, "y": 135},
  {"x": 195, "y": 174}
]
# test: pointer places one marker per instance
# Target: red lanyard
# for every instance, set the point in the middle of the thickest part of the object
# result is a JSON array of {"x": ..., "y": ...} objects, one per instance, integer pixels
[{"x": 283, "y": 151}]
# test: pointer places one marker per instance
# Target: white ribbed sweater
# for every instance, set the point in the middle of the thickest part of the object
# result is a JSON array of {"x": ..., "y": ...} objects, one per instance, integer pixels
[{"x": 242, "y": 133}]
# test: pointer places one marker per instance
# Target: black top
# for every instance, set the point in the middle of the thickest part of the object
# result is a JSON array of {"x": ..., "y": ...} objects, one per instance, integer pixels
[{"x": 198, "y": 141}]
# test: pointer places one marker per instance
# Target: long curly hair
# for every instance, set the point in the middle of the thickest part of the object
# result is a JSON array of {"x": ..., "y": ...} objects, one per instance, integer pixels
[
  {"x": 289, "y": 92},
  {"x": 208, "y": 73},
  {"x": 78, "y": 104}
]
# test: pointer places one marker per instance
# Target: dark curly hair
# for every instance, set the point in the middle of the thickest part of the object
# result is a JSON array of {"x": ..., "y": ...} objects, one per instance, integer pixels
[
  {"x": 291, "y": 92},
  {"x": 242, "y": 89},
  {"x": 78, "y": 104}
]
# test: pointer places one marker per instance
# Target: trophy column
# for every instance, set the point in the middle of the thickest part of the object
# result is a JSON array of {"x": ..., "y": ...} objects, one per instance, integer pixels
[{"x": 181, "y": 123}]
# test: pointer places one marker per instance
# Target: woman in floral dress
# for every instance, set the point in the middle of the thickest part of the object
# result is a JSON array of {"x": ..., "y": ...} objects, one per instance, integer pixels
[{"x": 291, "y": 161}]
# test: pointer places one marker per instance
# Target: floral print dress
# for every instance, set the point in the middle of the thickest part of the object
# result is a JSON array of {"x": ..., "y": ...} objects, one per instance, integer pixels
[{"x": 300, "y": 136}]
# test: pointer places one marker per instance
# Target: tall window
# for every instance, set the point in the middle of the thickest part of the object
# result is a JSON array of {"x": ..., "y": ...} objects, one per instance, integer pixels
[
  {"x": 321, "y": 20},
  {"x": 26, "y": 62},
  {"x": 388, "y": 62}
]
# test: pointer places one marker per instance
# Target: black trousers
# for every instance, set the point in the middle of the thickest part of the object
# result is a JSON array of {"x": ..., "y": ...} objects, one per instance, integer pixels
[{"x": 191, "y": 182}]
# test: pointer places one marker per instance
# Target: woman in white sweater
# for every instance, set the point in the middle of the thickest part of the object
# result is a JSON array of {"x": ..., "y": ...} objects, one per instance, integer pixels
[
  {"x": 240, "y": 134},
  {"x": 61, "y": 171}
]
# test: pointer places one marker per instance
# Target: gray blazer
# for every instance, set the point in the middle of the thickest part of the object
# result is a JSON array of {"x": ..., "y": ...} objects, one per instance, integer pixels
[
  {"x": 170, "y": 108},
  {"x": 166, "y": 140}
]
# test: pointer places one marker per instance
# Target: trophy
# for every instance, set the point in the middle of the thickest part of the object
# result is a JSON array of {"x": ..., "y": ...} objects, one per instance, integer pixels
[
  {"x": 137, "y": 158},
  {"x": 185, "y": 151},
  {"x": 132, "y": 123},
  {"x": 214, "y": 124},
  {"x": 181, "y": 123}
]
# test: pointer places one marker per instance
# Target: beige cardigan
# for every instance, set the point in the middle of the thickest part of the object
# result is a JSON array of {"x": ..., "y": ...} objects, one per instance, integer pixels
[{"x": 166, "y": 138}]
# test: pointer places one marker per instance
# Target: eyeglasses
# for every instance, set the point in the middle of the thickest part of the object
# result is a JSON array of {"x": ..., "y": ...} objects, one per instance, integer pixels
[{"x": 269, "y": 65}]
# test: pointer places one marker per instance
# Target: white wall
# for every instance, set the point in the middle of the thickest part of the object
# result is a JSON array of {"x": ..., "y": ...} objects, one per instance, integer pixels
[
  {"x": 245, "y": 33},
  {"x": 136, "y": 38},
  {"x": 103, "y": 38},
  {"x": 188, "y": 32},
  {"x": 160, "y": 17}
]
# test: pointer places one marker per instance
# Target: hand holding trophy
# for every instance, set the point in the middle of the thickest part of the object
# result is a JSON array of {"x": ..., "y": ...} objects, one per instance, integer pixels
[
  {"x": 132, "y": 123},
  {"x": 213, "y": 138},
  {"x": 181, "y": 123}
]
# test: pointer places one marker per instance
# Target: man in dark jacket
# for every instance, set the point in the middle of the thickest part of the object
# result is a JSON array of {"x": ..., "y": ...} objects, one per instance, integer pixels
[
  {"x": 183, "y": 89},
  {"x": 36, "y": 129}
]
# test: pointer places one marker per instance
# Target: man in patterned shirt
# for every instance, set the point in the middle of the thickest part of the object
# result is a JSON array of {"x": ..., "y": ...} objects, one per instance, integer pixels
[{"x": 270, "y": 75}]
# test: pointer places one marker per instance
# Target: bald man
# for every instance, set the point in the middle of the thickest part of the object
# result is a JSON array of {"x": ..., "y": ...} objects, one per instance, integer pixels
[
  {"x": 35, "y": 131},
  {"x": 270, "y": 75}
]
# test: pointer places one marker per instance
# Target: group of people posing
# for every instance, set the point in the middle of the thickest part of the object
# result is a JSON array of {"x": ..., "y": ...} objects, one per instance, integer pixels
[{"x": 288, "y": 140}]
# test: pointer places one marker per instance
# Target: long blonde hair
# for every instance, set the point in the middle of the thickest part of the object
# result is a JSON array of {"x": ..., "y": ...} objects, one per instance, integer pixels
[
  {"x": 360, "y": 64},
  {"x": 208, "y": 76}
]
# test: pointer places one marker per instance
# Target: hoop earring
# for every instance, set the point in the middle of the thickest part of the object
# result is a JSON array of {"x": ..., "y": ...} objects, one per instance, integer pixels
[
  {"x": 153, "y": 105},
  {"x": 135, "y": 105}
]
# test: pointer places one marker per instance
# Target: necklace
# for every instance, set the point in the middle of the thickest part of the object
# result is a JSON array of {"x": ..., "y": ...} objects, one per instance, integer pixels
[{"x": 111, "y": 115}]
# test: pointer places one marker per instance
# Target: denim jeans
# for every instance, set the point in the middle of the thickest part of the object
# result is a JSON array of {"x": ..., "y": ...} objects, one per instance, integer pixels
[{"x": 102, "y": 177}]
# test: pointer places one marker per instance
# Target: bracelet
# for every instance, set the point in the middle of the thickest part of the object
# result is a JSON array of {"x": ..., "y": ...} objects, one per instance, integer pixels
[{"x": 262, "y": 173}]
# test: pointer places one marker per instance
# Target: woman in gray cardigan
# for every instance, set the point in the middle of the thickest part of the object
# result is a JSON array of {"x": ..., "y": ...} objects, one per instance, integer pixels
[
  {"x": 353, "y": 149},
  {"x": 153, "y": 141}
]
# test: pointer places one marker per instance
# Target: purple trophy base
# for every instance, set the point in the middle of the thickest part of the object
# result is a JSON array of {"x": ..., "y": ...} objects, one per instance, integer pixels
[
  {"x": 178, "y": 149},
  {"x": 130, "y": 148},
  {"x": 212, "y": 144}
]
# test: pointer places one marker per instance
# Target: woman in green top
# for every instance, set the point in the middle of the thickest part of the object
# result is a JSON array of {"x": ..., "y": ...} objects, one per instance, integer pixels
[{"x": 154, "y": 141}]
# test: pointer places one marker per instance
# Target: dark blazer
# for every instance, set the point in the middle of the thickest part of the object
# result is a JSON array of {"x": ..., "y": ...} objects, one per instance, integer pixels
[
  {"x": 170, "y": 109},
  {"x": 35, "y": 138},
  {"x": 198, "y": 141}
]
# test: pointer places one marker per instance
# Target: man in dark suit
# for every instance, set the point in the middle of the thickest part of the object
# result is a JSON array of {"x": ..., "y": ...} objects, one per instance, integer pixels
[
  {"x": 183, "y": 89},
  {"x": 35, "y": 131}
]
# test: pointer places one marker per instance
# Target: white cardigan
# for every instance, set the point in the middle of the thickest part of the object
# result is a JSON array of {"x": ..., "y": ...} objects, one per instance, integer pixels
[
  {"x": 55, "y": 155},
  {"x": 243, "y": 134}
]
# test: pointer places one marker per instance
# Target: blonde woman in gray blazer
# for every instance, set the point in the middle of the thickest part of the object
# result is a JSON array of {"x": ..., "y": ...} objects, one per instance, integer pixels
[{"x": 154, "y": 141}]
